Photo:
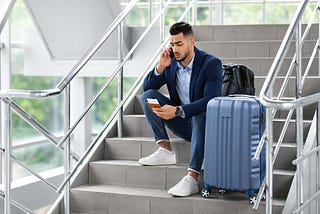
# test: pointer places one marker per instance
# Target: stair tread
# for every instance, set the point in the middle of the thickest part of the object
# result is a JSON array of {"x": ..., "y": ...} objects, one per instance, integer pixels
[
  {"x": 135, "y": 163},
  {"x": 144, "y": 139},
  {"x": 231, "y": 197}
]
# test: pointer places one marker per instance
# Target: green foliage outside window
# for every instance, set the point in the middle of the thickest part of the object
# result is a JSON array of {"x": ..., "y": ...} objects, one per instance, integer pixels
[{"x": 109, "y": 99}]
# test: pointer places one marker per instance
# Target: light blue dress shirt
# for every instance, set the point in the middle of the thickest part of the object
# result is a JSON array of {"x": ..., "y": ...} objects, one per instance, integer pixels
[{"x": 183, "y": 82}]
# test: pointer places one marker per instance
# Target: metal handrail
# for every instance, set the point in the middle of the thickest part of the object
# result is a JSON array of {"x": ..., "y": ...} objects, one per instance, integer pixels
[
  {"x": 16, "y": 204},
  {"x": 275, "y": 68},
  {"x": 275, "y": 104},
  {"x": 133, "y": 90},
  {"x": 288, "y": 74},
  {"x": 17, "y": 93},
  {"x": 115, "y": 73},
  {"x": 5, "y": 95},
  {"x": 111, "y": 118},
  {"x": 33, "y": 173},
  {"x": 5, "y": 11},
  {"x": 279, "y": 96},
  {"x": 35, "y": 124}
]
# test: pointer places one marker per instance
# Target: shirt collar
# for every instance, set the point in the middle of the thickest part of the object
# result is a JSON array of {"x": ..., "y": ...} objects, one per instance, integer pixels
[{"x": 189, "y": 66}]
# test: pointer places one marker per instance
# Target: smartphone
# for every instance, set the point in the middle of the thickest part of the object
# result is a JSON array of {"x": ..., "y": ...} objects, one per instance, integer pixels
[
  {"x": 153, "y": 103},
  {"x": 171, "y": 53}
]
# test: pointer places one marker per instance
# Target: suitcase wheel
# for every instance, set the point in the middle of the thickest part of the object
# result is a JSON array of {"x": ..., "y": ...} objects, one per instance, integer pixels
[
  {"x": 205, "y": 193},
  {"x": 252, "y": 200},
  {"x": 264, "y": 197},
  {"x": 222, "y": 191}
]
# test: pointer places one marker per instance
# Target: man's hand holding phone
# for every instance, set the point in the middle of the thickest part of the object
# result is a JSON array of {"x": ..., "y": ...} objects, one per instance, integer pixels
[
  {"x": 165, "y": 60},
  {"x": 165, "y": 112}
]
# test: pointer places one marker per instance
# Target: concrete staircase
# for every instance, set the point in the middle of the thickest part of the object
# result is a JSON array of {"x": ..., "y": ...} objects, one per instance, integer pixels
[{"x": 118, "y": 184}]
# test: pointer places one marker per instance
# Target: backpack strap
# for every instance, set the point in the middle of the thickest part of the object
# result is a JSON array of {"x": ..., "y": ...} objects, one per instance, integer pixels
[{"x": 238, "y": 78}]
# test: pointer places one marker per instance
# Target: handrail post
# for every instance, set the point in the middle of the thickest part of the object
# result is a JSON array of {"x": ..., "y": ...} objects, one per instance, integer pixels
[
  {"x": 6, "y": 126},
  {"x": 67, "y": 159},
  {"x": 299, "y": 116},
  {"x": 318, "y": 155},
  {"x": 318, "y": 5},
  {"x": 6, "y": 156},
  {"x": 120, "y": 78},
  {"x": 269, "y": 160}
]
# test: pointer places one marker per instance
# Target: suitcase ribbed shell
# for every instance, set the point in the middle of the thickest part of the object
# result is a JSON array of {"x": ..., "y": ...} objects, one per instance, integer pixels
[{"x": 233, "y": 130}]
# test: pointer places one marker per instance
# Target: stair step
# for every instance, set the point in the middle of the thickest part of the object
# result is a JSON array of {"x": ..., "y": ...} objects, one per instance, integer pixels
[
  {"x": 245, "y": 49},
  {"x": 137, "y": 126},
  {"x": 130, "y": 173},
  {"x": 261, "y": 65},
  {"x": 310, "y": 86},
  {"x": 246, "y": 32},
  {"x": 120, "y": 199},
  {"x": 134, "y": 148}
]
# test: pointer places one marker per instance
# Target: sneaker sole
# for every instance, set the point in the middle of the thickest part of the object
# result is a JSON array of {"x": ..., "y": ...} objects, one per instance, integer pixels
[
  {"x": 155, "y": 164},
  {"x": 181, "y": 195}
]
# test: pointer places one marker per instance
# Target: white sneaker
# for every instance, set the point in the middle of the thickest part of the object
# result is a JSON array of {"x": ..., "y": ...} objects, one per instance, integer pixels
[
  {"x": 187, "y": 186},
  {"x": 159, "y": 157}
]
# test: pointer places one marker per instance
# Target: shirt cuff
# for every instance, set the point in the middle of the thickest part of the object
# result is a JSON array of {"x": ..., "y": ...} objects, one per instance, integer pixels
[
  {"x": 183, "y": 115},
  {"x": 155, "y": 72}
]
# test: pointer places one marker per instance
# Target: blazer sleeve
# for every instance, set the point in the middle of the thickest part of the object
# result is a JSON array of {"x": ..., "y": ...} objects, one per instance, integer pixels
[
  {"x": 153, "y": 81},
  {"x": 208, "y": 87}
]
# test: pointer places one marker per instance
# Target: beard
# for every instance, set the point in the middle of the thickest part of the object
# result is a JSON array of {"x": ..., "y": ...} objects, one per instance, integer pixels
[{"x": 182, "y": 59}]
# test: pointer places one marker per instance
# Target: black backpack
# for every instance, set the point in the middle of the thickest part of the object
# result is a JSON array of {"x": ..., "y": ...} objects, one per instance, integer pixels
[{"x": 237, "y": 79}]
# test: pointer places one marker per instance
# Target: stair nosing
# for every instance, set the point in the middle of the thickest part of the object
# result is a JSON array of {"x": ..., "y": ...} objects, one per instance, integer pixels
[{"x": 136, "y": 164}]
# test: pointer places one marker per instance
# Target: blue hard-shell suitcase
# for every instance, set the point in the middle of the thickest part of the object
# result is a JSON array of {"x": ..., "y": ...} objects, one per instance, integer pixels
[{"x": 234, "y": 126}]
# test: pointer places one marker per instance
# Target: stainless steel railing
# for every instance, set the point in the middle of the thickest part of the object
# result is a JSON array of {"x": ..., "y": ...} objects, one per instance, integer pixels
[
  {"x": 6, "y": 95},
  {"x": 63, "y": 86},
  {"x": 297, "y": 104}
]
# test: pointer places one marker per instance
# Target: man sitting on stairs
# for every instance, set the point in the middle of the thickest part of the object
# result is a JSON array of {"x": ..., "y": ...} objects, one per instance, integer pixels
[{"x": 193, "y": 77}]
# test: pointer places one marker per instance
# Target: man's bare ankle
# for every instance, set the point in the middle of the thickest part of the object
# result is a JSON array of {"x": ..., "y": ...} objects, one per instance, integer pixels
[
  {"x": 166, "y": 145},
  {"x": 193, "y": 174}
]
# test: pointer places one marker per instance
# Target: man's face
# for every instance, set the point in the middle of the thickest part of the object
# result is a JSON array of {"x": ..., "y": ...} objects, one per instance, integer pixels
[{"x": 182, "y": 46}]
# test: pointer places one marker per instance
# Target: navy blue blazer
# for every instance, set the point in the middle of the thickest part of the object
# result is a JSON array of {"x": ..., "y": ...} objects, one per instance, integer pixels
[{"x": 205, "y": 82}]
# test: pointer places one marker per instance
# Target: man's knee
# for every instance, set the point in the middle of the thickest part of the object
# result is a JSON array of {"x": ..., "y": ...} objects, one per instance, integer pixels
[{"x": 148, "y": 94}]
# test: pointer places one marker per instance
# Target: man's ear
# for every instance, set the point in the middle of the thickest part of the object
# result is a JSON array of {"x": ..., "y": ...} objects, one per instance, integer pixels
[{"x": 192, "y": 40}]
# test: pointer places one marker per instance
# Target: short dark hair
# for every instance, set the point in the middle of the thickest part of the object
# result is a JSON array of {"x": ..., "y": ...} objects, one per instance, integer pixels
[{"x": 181, "y": 27}]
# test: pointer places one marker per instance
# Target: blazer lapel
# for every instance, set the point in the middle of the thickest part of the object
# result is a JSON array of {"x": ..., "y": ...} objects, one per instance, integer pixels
[
  {"x": 173, "y": 79},
  {"x": 195, "y": 72}
]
